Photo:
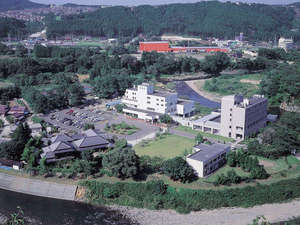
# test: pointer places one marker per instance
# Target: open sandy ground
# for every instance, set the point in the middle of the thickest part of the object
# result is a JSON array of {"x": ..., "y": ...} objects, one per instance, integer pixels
[
  {"x": 223, "y": 216},
  {"x": 197, "y": 85}
]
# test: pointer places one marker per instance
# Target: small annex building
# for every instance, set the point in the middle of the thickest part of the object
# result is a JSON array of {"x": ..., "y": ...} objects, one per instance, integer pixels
[{"x": 208, "y": 158}]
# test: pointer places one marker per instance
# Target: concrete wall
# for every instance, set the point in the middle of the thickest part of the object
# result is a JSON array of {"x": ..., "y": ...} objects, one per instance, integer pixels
[
  {"x": 196, "y": 165},
  {"x": 37, "y": 187}
]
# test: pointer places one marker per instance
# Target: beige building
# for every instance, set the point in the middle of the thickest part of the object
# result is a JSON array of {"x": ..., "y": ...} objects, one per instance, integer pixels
[
  {"x": 241, "y": 117},
  {"x": 145, "y": 103},
  {"x": 207, "y": 158}
]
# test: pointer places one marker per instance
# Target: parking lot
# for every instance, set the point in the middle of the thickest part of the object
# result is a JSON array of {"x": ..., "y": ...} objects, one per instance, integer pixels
[{"x": 74, "y": 120}]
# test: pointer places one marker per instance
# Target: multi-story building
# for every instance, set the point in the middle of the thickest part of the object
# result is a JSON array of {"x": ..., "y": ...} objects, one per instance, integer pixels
[
  {"x": 241, "y": 117},
  {"x": 286, "y": 44},
  {"x": 207, "y": 158},
  {"x": 145, "y": 103}
]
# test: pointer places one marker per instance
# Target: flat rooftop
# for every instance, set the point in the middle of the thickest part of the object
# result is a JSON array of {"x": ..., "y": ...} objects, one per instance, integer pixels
[{"x": 208, "y": 152}]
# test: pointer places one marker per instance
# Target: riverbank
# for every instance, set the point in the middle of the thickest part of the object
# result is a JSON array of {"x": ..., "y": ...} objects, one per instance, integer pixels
[
  {"x": 197, "y": 86},
  {"x": 224, "y": 216},
  {"x": 37, "y": 187}
]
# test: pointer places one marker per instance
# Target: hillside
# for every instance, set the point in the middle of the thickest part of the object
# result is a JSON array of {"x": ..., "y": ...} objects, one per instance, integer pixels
[
  {"x": 18, "y": 4},
  {"x": 16, "y": 28},
  {"x": 205, "y": 19}
]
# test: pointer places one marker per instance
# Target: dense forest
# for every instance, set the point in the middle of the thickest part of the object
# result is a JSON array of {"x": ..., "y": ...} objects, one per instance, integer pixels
[
  {"x": 18, "y": 4},
  {"x": 206, "y": 19},
  {"x": 15, "y": 28}
]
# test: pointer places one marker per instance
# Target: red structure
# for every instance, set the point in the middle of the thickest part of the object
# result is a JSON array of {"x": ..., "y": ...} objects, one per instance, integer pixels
[{"x": 164, "y": 46}]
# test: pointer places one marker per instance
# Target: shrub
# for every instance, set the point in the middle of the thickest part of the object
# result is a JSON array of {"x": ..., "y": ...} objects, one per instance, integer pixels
[
  {"x": 122, "y": 163},
  {"x": 178, "y": 169},
  {"x": 156, "y": 194}
]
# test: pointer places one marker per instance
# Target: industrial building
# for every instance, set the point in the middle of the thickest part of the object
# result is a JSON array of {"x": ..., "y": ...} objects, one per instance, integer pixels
[
  {"x": 239, "y": 117},
  {"x": 164, "y": 46},
  {"x": 145, "y": 103}
]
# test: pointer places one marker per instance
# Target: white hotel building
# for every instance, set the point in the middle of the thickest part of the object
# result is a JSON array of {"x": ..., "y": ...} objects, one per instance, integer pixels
[
  {"x": 239, "y": 117},
  {"x": 145, "y": 103}
]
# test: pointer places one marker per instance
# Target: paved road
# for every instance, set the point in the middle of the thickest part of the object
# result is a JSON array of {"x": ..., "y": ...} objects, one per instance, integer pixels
[{"x": 37, "y": 187}]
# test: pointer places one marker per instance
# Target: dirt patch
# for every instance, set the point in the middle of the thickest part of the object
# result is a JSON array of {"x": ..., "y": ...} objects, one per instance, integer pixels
[
  {"x": 83, "y": 77},
  {"x": 256, "y": 82},
  {"x": 266, "y": 164},
  {"x": 197, "y": 86}
]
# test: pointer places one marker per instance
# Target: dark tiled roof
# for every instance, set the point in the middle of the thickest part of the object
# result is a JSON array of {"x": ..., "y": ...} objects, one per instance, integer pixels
[{"x": 208, "y": 152}]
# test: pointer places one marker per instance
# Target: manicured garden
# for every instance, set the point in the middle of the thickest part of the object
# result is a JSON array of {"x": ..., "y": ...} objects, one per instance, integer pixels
[
  {"x": 121, "y": 128},
  {"x": 166, "y": 146}
]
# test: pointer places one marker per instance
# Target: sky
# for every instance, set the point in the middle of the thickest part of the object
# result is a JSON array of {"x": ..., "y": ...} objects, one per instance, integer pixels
[{"x": 149, "y": 2}]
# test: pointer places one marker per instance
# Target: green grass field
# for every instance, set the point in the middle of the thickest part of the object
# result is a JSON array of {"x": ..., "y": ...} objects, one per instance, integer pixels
[
  {"x": 167, "y": 146},
  {"x": 213, "y": 136},
  {"x": 231, "y": 84}
]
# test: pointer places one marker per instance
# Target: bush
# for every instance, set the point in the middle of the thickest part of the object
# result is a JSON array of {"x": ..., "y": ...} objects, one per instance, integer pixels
[
  {"x": 122, "y": 163},
  {"x": 178, "y": 169},
  {"x": 166, "y": 119},
  {"x": 156, "y": 194}
]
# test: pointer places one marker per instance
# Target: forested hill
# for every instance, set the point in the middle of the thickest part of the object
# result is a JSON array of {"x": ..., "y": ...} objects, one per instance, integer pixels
[
  {"x": 16, "y": 28},
  {"x": 18, "y": 4},
  {"x": 206, "y": 19}
]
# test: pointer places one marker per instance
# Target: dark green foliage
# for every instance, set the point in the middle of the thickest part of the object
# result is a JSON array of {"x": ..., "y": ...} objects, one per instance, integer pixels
[
  {"x": 122, "y": 162},
  {"x": 247, "y": 163},
  {"x": 41, "y": 51},
  {"x": 120, "y": 107},
  {"x": 199, "y": 139},
  {"x": 230, "y": 178},
  {"x": 13, "y": 149},
  {"x": 156, "y": 195},
  {"x": 88, "y": 126},
  {"x": 282, "y": 84},
  {"x": 14, "y": 27},
  {"x": 215, "y": 64},
  {"x": 284, "y": 138},
  {"x": 166, "y": 119},
  {"x": 151, "y": 165},
  {"x": 205, "y": 19},
  {"x": 178, "y": 169},
  {"x": 9, "y": 93}
]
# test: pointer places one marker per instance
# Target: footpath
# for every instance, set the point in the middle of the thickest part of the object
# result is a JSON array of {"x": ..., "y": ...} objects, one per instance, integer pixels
[{"x": 37, "y": 187}]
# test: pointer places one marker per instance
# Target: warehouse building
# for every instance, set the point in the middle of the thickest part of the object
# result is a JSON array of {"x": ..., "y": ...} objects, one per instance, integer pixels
[{"x": 164, "y": 46}]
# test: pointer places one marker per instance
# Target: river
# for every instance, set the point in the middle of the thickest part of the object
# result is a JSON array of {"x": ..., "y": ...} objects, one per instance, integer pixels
[
  {"x": 185, "y": 91},
  {"x": 46, "y": 211}
]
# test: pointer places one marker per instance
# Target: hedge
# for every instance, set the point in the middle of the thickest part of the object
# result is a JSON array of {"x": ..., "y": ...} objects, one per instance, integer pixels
[{"x": 157, "y": 195}]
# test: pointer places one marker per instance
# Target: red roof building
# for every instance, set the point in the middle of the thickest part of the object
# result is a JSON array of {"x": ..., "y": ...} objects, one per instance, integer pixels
[{"x": 164, "y": 46}]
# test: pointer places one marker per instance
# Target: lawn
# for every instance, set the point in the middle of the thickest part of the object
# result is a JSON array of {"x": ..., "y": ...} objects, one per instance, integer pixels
[
  {"x": 207, "y": 135},
  {"x": 231, "y": 84},
  {"x": 279, "y": 165},
  {"x": 166, "y": 146}
]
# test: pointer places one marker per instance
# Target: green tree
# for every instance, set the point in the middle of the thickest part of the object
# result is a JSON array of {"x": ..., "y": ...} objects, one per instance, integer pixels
[
  {"x": 215, "y": 64},
  {"x": 122, "y": 163},
  {"x": 178, "y": 169},
  {"x": 199, "y": 139}
]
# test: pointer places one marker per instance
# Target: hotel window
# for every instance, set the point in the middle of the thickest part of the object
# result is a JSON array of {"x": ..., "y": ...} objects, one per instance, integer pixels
[{"x": 148, "y": 98}]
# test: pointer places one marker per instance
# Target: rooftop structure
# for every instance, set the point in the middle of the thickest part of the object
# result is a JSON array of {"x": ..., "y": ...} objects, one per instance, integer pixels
[
  {"x": 241, "y": 117},
  {"x": 145, "y": 103},
  {"x": 208, "y": 158},
  {"x": 164, "y": 46},
  {"x": 63, "y": 146}
]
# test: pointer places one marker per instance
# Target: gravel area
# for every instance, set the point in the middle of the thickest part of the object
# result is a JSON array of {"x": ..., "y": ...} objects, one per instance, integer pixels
[{"x": 223, "y": 216}]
